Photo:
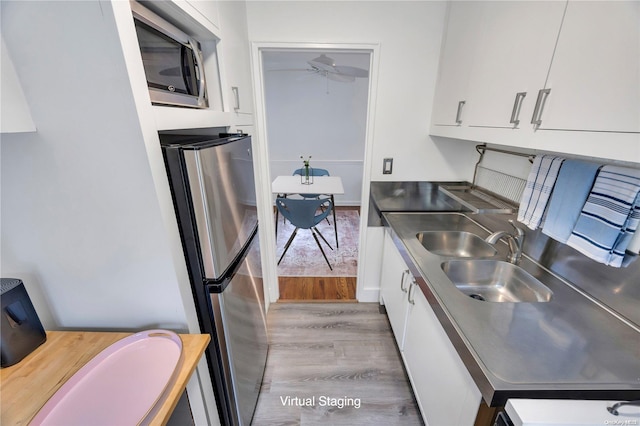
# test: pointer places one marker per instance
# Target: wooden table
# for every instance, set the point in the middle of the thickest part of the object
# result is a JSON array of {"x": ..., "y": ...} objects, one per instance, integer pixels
[
  {"x": 26, "y": 386},
  {"x": 329, "y": 185}
]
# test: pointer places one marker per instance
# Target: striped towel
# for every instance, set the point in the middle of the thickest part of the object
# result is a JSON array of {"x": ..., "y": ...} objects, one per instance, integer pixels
[
  {"x": 540, "y": 182},
  {"x": 609, "y": 217}
]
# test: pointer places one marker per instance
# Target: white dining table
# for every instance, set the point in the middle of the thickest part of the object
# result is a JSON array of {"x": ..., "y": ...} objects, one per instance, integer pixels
[{"x": 326, "y": 185}]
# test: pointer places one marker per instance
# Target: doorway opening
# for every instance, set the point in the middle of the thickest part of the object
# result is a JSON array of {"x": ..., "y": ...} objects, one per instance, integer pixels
[{"x": 316, "y": 105}]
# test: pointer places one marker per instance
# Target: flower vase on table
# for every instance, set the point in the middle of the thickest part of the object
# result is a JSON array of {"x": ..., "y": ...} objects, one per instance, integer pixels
[{"x": 306, "y": 177}]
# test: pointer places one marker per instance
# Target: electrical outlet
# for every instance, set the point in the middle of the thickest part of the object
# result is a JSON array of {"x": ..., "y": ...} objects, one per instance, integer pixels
[{"x": 387, "y": 166}]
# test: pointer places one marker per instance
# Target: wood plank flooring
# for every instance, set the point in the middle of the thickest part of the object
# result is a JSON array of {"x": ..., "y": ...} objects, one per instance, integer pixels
[
  {"x": 317, "y": 289},
  {"x": 344, "y": 351}
]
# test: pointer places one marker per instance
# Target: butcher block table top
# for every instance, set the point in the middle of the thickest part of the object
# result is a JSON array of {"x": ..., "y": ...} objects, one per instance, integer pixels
[{"x": 26, "y": 386}]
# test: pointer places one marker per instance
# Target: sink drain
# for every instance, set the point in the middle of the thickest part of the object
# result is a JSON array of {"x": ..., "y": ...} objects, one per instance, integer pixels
[{"x": 477, "y": 297}]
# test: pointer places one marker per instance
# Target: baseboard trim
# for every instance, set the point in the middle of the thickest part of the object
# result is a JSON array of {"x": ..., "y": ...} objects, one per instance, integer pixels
[{"x": 368, "y": 295}]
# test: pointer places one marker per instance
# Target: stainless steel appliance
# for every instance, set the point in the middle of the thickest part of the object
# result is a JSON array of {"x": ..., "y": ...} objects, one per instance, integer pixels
[
  {"x": 213, "y": 190},
  {"x": 173, "y": 61}
]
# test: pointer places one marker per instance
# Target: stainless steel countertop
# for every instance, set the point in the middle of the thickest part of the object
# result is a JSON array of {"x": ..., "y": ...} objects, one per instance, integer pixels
[
  {"x": 413, "y": 197},
  {"x": 403, "y": 196},
  {"x": 569, "y": 347}
]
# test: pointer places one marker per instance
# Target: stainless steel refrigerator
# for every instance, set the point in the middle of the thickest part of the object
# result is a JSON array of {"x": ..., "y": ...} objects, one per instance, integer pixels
[{"x": 212, "y": 184}]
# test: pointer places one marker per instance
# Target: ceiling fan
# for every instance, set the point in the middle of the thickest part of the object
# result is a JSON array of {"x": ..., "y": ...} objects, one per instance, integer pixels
[{"x": 325, "y": 66}]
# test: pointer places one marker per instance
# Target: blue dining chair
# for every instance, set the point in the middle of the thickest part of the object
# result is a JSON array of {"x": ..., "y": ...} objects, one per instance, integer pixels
[
  {"x": 302, "y": 214},
  {"x": 314, "y": 172}
]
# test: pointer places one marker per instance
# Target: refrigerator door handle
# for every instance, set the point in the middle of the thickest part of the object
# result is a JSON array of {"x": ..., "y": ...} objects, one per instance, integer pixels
[{"x": 201, "y": 213}]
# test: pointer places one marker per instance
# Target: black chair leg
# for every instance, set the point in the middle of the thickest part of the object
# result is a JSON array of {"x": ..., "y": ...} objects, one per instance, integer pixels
[
  {"x": 323, "y": 208},
  {"x": 335, "y": 221},
  {"x": 323, "y": 238},
  {"x": 286, "y": 246},
  {"x": 320, "y": 247}
]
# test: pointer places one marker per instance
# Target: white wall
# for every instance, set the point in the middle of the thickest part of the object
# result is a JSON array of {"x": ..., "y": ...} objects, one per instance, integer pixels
[
  {"x": 310, "y": 115},
  {"x": 80, "y": 217},
  {"x": 409, "y": 35},
  {"x": 408, "y": 38},
  {"x": 15, "y": 115}
]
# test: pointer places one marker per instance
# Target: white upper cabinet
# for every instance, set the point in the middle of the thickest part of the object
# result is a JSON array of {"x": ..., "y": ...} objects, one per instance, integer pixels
[
  {"x": 595, "y": 76},
  {"x": 235, "y": 54},
  {"x": 456, "y": 62},
  {"x": 207, "y": 8},
  {"x": 564, "y": 74},
  {"x": 515, "y": 43}
]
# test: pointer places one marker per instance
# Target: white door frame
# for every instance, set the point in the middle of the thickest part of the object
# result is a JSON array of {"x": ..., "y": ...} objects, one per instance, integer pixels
[{"x": 261, "y": 149}]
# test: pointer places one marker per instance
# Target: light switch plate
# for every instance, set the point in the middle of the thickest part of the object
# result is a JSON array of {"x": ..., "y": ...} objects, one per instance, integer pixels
[{"x": 387, "y": 166}]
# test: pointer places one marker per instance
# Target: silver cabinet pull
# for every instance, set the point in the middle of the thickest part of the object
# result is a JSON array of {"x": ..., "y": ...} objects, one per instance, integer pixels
[
  {"x": 405, "y": 272},
  {"x": 459, "y": 112},
  {"x": 614, "y": 409},
  {"x": 515, "y": 112},
  {"x": 410, "y": 294},
  {"x": 537, "y": 111},
  {"x": 236, "y": 96}
]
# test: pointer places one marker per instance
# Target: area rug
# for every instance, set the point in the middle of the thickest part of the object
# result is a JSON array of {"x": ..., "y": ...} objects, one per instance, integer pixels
[{"x": 303, "y": 259}]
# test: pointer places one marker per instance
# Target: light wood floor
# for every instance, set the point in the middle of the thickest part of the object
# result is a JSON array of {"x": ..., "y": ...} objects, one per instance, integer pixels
[
  {"x": 317, "y": 289},
  {"x": 333, "y": 350}
]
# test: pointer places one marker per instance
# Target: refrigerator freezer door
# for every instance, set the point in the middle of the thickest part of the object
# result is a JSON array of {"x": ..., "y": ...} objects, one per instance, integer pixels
[
  {"x": 241, "y": 310},
  {"x": 222, "y": 190}
]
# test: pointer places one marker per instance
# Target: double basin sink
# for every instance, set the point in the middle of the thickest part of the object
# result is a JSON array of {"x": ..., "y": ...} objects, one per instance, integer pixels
[
  {"x": 472, "y": 267},
  {"x": 534, "y": 335}
]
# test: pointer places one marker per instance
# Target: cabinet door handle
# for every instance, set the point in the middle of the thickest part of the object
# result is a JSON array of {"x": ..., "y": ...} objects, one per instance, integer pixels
[
  {"x": 515, "y": 112},
  {"x": 459, "y": 112},
  {"x": 405, "y": 272},
  {"x": 537, "y": 111},
  {"x": 411, "y": 294},
  {"x": 236, "y": 96}
]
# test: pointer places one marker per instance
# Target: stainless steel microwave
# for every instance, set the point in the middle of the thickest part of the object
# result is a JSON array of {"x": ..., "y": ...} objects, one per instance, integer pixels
[{"x": 173, "y": 61}]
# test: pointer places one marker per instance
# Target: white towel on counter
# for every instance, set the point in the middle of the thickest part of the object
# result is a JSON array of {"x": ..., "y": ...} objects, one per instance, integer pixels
[
  {"x": 538, "y": 188},
  {"x": 610, "y": 216}
]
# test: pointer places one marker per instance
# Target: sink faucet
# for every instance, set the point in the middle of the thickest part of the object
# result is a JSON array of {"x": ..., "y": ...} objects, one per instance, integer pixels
[{"x": 515, "y": 242}]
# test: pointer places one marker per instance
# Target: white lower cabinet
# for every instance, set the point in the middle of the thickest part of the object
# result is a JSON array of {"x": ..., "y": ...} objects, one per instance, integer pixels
[
  {"x": 394, "y": 283},
  {"x": 444, "y": 389}
]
